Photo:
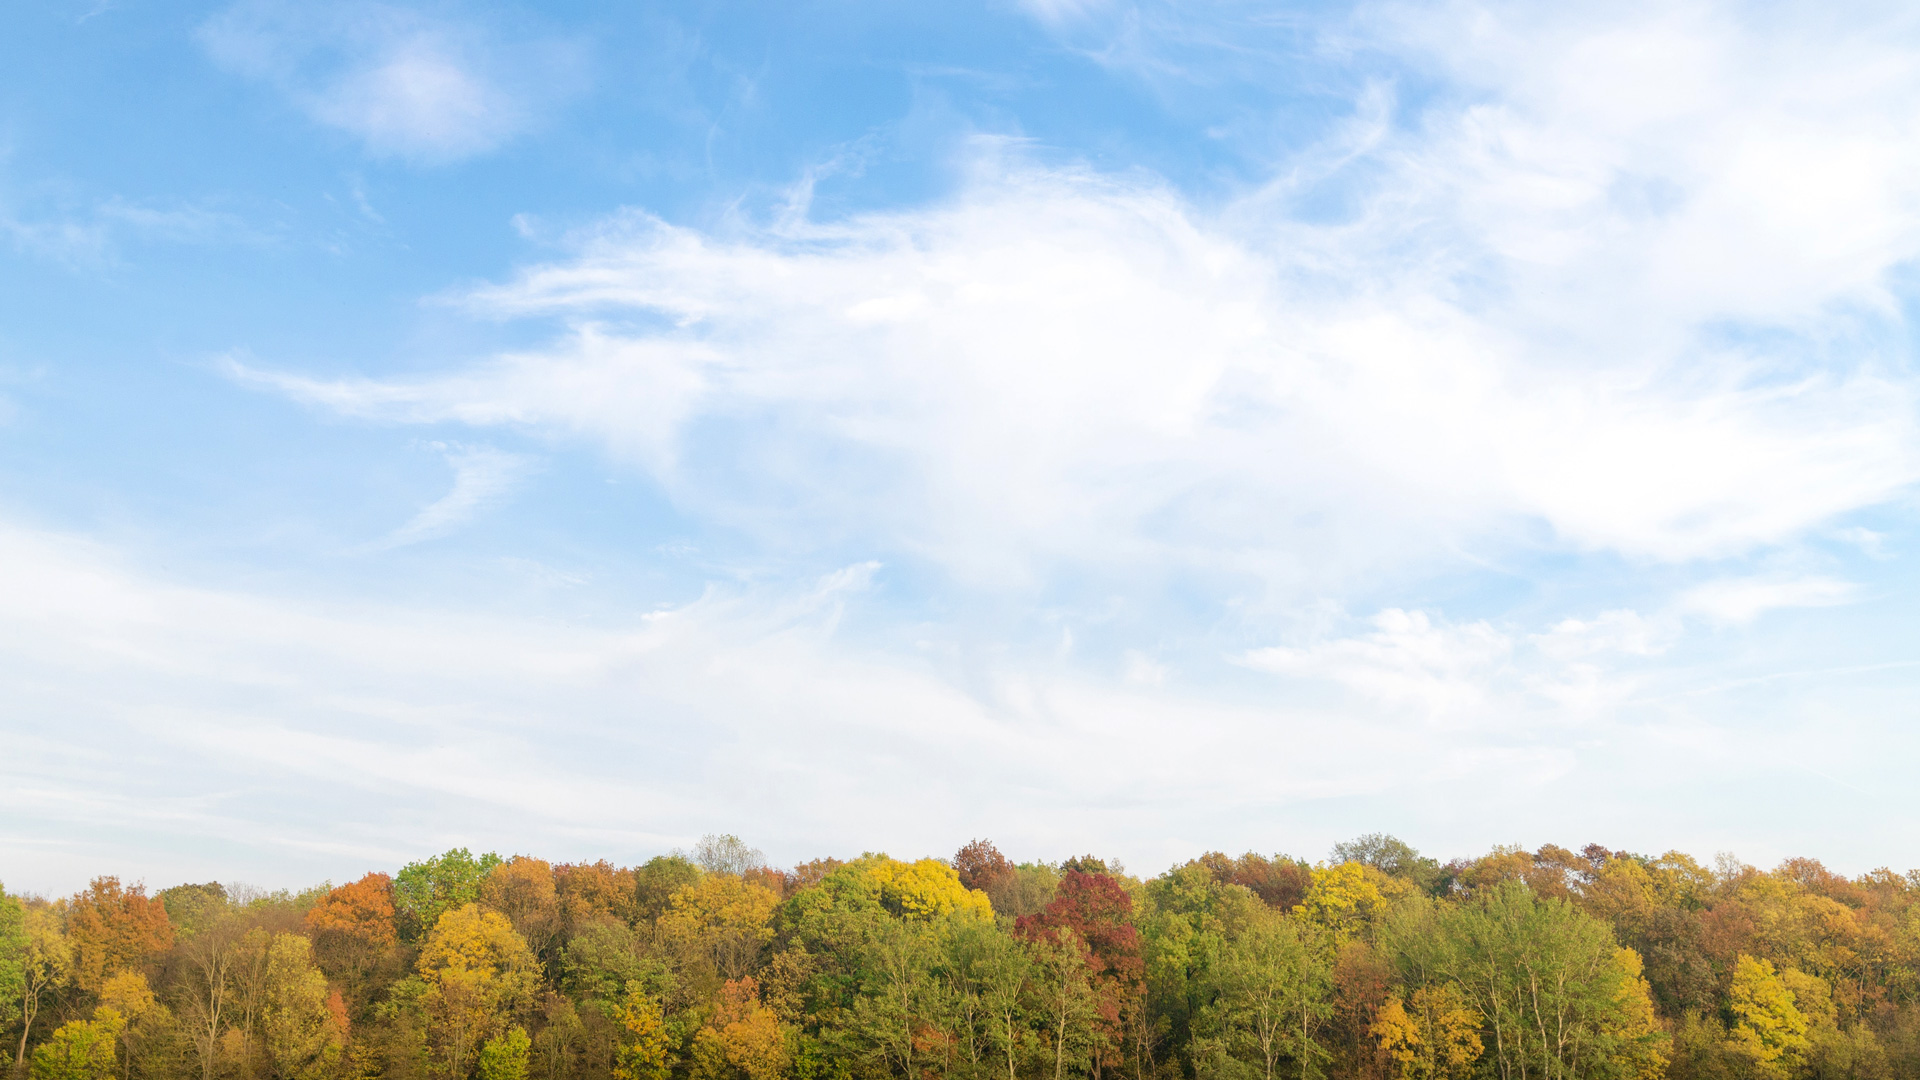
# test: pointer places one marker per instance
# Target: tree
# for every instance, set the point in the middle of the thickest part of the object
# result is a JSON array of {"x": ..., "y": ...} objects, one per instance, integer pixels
[
  {"x": 504, "y": 1057},
  {"x": 193, "y": 908},
  {"x": 1557, "y": 997},
  {"x": 981, "y": 866},
  {"x": 137, "y": 1014},
  {"x": 1769, "y": 1029},
  {"x": 212, "y": 962},
  {"x": 1279, "y": 882},
  {"x": 522, "y": 889},
  {"x": 1064, "y": 1001},
  {"x": 743, "y": 1041},
  {"x": 111, "y": 928},
  {"x": 425, "y": 890},
  {"x": 1349, "y": 898},
  {"x": 478, "y": 972},
  {"x": 726, "y": 853},
  {"x": 1099, "y": 915},
  {"x": 989, "y": 969},
  {"x": 1391, "y": 856},
  {"x": 645, "y": 1049},
  {"x": 45, "y": 965},
  {"x": 655, "y": 882},
  {"x": 723, "y": 921},
  {"x": 14, "y": 948},
  {"x": 80, "y": 1050},
  {"x": 353, "y": 926},
  {"x": 923, "y": 889},
  {"x": 302, "y": 1035},
  {"x": 1435, "y": 1036},
  {"x": 1272, "y": 987},
  {"x": 898, "y": 993}
]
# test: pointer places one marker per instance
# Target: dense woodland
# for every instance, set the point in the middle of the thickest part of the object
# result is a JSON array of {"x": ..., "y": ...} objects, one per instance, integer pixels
[{"x": 1375, "y": 964}]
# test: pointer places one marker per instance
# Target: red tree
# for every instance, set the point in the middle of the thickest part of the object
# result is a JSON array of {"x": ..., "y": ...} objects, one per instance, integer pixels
[
  {"x": 981, "y": 866},
  {"x": 1100, "y": 914}
]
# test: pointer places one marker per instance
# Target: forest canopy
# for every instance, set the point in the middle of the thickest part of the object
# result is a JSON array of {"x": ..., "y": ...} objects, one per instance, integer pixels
[{"x": 1375, "y": 964}]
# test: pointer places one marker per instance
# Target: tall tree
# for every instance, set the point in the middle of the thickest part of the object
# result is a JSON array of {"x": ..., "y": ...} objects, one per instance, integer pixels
[
  {"x": 112, "y": 928},
  {"x": 478, "y": 974},
  {"x": 303, "y": 1037},
  {"x": 1272, "y": 992},
  {"x": 46, "y": 964},
  {"x": 1099, "y": 914}
]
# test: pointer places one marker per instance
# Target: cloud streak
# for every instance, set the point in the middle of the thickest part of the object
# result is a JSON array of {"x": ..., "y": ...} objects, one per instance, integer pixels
[
  {"x": 407, "y": 83},
  {"x": 482, "y": 476}
]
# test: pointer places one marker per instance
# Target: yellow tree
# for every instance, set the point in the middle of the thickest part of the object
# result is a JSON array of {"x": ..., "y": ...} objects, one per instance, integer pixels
[
  {"x": 924, "y": 889},
  {"x": 140, "y": 1015},
  {"x": 478, "y": 972},
  {"x": 1349, "y": 898},
  {"x": 1769, "y": 1029},
  {"x": 1434, "y": 1036},
  {"x": 720, "y": 921},
  {"x": 47, "y": 963},
  {"x": 303, "y": 1039},
  {"x": 645, "y": 1050}
]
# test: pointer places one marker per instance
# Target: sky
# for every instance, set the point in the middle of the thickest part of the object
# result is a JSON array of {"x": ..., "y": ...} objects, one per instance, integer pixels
[{"x": 1099, "y": 426}]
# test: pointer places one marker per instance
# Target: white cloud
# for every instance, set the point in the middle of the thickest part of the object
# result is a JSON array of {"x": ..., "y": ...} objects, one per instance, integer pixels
[
  {"x": 1060, "y": 367},
  {"x": 482, "y": 476},
  {"x": 1440, "y": 670},
  {"x": 418, "y": 728},
  {"x": 407, "y": 83},
  {"x": 1742, "y": 600},
  {"x": 1606, "y": 282}
]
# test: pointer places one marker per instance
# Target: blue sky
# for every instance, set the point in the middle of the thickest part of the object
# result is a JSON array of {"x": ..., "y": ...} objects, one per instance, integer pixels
[{"x": 1093, "y": 425}]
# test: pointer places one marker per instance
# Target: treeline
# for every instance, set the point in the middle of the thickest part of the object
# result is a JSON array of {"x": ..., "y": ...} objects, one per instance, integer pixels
[{"x": 1375, "y": 964}]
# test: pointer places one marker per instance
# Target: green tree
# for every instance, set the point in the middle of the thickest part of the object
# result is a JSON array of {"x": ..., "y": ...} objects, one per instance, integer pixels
[
  {"x": 1557, "y": 997},
  {"x": 504, "y": 1057},
  {"x": 988, "y": 968},
  {"x": 80, "y": 1050},
  {"x": 1064, "y": 1002},
  {"x": 1272, "y": 991},
  {"x": 425, "y": 890},
  {"x": 14, "y": 947}
]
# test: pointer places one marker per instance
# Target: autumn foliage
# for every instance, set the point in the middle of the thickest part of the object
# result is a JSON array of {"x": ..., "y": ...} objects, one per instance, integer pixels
[{"x": 1375, "y": 964}]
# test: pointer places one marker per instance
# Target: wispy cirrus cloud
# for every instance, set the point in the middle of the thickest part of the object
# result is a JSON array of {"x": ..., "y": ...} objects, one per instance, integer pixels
[
  {"x": 1061, "y": 366},
  {"x": 482, "y": 476},
  {"x": 97, "y": 236},
  {"x": 408, "y": 82}
]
